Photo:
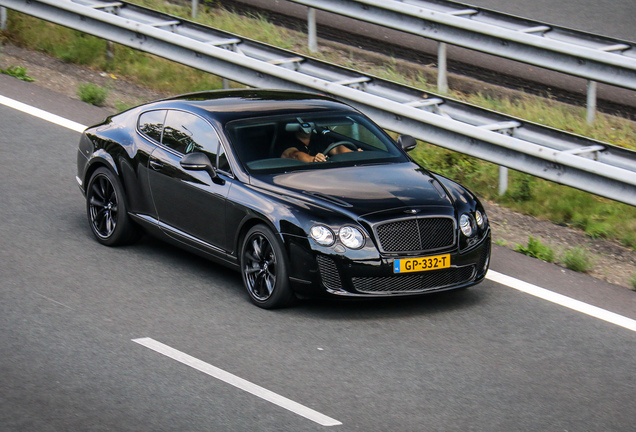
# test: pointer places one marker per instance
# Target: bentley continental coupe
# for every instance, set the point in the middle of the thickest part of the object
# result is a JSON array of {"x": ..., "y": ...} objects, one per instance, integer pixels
[{"x": 301, "y": 193}]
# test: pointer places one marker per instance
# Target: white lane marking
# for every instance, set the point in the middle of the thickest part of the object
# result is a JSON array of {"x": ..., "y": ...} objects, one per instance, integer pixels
[
  {"x": 238, "y": 382},
  {"x": 44, "y": 115},
  {"x": 562, "y": 300},
  {"x": 492, "y": 275}
]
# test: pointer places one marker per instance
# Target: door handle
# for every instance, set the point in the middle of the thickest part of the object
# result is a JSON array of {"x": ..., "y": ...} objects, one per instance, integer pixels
[{"x": 155, "y": 165}]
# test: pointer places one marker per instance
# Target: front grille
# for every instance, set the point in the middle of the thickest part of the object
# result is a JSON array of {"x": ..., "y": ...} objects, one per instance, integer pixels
[
  {"x": 416, "y": 235},
  {"x": 420, "y": 282},
  {"x": 329, "y": 273}
]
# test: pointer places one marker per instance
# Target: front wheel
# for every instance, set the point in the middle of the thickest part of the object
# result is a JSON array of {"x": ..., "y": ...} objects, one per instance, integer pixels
[
  {"x": 264, "y": 269},
  {"x": 106, "y": 209}
]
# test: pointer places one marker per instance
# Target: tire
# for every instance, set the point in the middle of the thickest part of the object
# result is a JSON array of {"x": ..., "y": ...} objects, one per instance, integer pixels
[
  {"x": 107, "y": 211},
  {"x": 264, "y": 269}
]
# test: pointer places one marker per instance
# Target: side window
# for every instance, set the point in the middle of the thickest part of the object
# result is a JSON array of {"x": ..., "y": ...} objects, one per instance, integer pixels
[
  {"x": 150, "y": 124},
  {"x": 186, "y": 133},
  {"x": 224, "y": 165}
]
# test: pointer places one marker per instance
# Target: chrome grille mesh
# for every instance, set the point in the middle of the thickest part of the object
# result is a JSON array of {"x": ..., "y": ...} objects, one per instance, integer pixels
[
  {"x": 415, "y": 283},
  {"x": 416, "y": 235},
  {"x": 329, "y": 273}
]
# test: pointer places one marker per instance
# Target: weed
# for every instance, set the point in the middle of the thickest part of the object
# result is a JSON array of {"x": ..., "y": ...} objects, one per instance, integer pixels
[
  {"x": 522, "y": 189},
  {"x": 92, "y": 94},
  {"x": 536, "y": 249},
  {"x": 19, "y": 72},
  {"x": 577, "y": 259},
  {"x": 633, "y": 281}
]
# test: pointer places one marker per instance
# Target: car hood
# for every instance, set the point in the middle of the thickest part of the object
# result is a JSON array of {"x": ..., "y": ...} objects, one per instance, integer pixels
[{"x": 364, "y": 189}]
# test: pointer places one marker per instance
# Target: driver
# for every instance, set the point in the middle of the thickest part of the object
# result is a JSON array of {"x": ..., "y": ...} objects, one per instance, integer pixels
[{"x": 307, "y": 146}]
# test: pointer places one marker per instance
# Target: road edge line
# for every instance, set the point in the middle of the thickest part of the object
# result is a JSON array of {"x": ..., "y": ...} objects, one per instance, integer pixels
[
  {"x": 492, "y": 275},
  {"x": 562, "y": 300},
  {"x": 41, "y": 114}
]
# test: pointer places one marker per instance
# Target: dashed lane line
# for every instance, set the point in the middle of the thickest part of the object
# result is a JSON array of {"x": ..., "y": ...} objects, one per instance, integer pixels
[{"x": 237, "y": 382}]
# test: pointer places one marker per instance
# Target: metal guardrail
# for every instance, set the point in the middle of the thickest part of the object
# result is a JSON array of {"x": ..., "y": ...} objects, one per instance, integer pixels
[
  {"x": 580, "y": 162},
  {"x": 597, "y": 58}
]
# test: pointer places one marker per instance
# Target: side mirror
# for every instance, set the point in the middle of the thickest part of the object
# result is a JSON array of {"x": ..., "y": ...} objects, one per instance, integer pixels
[
  {"x": 407, "y": 142},
  {"x": 198, "y": 161}
]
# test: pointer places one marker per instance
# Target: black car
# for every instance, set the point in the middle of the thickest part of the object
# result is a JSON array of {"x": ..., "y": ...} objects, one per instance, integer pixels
[{"x": 205, "y": 171}]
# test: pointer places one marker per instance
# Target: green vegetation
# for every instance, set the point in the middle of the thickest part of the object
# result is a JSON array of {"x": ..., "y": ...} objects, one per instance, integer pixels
[
  {"x": 536, "y": 249},
  {"x": 633, "y": 281},
  {"x": 19, "y": 72},
  {"x": 92, "y": 94},
  {"x": 598, "y": 217},
  {"x": 577, "y": 259},
  {"x": 121, "y": 106}
]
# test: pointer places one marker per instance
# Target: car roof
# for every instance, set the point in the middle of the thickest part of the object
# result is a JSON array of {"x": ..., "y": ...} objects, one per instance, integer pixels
[{"x": 229, "y": 105}]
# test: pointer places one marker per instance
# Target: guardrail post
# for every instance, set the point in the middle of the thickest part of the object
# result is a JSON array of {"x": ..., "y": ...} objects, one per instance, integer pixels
[
  {"x": 110, "y": 51},
  {"x": 311, "y": 30},
  {"x": 503, "y": 180},
  {"x": 442, "y": 78},
  {"x": 195, "y": 6},
  {"x": 591, "y": 101},
  {"x": 3, "y": 18}
]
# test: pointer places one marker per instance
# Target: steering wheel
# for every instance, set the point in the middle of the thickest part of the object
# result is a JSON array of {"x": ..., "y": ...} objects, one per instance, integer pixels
[{"x": 348, "y": 144}]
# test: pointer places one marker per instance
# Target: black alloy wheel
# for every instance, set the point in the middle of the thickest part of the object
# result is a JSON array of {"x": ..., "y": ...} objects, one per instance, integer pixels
[
  {"x": 106, "y": 209},
  {"x": 264, "y": 269}
]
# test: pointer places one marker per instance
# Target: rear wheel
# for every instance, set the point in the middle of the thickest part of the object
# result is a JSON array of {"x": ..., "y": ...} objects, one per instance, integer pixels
[
  {"x": 264, "y": 269},
  {"x": 106, "y": 210}
]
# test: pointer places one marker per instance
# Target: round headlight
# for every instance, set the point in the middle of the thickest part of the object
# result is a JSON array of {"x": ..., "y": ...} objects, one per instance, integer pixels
[
  {"x": 351, "y": 237},
  {"x": 323, "y": 235},
  {"x": 481, "y": 220},
  {"x": 466, "y": 225}
]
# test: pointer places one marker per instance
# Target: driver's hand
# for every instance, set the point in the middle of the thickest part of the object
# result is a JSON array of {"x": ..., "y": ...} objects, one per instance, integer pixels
[{"x": 320, "y": 158}]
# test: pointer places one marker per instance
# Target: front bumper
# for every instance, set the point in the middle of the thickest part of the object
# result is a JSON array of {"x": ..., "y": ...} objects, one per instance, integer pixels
[{"x": 340, "y": 275}]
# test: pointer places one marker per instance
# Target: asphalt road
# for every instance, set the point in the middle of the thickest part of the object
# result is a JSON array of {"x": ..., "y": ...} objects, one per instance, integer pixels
[{"x": 72, "y": 312}]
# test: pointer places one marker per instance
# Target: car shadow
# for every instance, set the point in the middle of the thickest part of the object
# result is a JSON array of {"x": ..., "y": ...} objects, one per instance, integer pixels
[
  {"x": 318, "y": 308},
  {"x": 391, "y": 307}
]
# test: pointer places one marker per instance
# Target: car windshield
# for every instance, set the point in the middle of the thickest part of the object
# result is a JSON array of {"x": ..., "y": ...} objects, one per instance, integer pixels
[{"x": 260, "y": 143}]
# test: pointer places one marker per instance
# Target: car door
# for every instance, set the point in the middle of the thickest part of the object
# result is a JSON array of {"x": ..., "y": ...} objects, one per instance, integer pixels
[{"x": 190, "y": 206}]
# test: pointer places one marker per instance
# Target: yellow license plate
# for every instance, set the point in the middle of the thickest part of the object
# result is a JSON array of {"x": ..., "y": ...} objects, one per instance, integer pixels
[{"x": 408, "y": 265}]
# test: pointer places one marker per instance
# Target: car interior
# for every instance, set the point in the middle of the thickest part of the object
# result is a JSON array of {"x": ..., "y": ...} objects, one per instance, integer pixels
[{"x": 259, "y": 145}]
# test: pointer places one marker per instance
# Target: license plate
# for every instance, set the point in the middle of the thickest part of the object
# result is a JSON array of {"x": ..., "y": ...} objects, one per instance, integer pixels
[{"x": 408, "y": 265}]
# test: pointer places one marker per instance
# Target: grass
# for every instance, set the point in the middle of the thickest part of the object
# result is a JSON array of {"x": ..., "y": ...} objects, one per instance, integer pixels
[
  {"x": 633, "y": 281},
  {"x": 92, "y": 94},
  {"x": 19, "y": 72},
  {"x": 577, "y": 259},
  {"x": 598, "y": 217},
  {"x": 536, "y": 249}
]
